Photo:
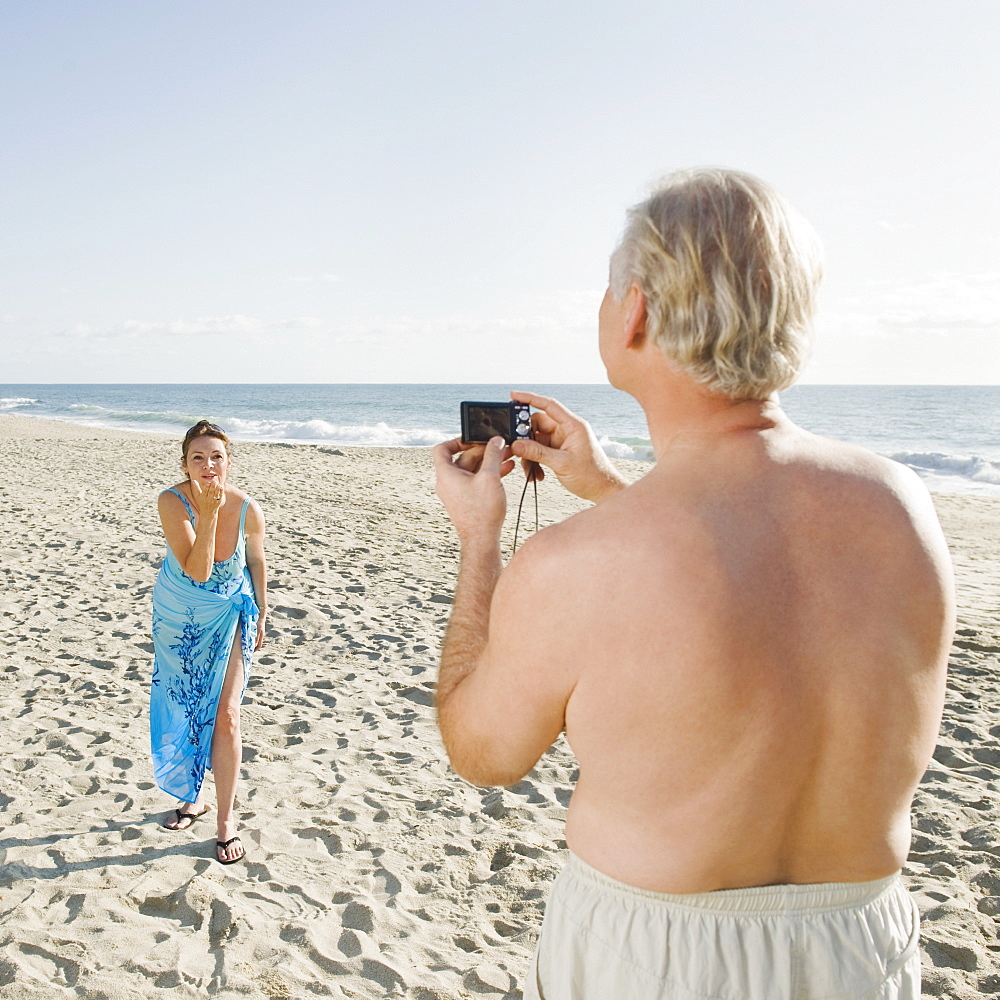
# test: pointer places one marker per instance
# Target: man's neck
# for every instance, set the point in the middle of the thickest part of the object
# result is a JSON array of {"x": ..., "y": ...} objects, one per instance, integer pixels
[{"x": 680, "y": 411}]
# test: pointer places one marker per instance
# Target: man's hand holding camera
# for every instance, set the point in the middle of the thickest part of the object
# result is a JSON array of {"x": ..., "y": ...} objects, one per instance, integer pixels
[
  {"x": 566, "y": 444},
  {"x": 468, "y": 484},
  {"x": 469, "y": 474}
]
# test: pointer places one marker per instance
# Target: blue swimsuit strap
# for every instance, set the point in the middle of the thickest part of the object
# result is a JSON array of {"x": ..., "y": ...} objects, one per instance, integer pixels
[
  {"x": 187, "y": 503},
  {"x": 243, "y": 517}
]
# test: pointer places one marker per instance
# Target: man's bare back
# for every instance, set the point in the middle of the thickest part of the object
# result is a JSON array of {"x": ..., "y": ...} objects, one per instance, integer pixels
[
  {"x": 748, "y": 648},
  {"x": 757, "y": 632}
]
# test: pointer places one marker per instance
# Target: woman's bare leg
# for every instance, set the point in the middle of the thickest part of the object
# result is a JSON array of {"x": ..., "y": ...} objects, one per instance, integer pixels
[{"x": 227, "y": 748}]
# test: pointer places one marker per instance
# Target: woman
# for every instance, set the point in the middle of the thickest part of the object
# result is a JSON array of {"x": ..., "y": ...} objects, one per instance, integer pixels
[{"x": 209, "y": 605}]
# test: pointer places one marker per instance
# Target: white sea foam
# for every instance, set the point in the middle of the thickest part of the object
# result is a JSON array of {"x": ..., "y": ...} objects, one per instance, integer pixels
[
  {"x": 622, "y": 450},
  {"x": 376, "y": 435},
  {"x": 954, "y": 473},
  {"x": 980, "y": 470},
  {"x": 949, "y": 435}
]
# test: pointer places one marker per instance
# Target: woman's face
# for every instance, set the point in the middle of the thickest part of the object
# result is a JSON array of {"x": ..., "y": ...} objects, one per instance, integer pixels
[{"x": 207, "y": 461}]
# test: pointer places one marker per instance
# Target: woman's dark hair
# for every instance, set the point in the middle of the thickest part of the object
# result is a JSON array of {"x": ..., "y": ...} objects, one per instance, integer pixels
[{"x": 203, "y": 429}]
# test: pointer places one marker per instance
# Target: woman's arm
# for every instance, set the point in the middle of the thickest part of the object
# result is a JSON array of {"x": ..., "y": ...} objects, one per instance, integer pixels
[
  {"x": 193, "y": 549},
  {"x": 257, "y": 563}
]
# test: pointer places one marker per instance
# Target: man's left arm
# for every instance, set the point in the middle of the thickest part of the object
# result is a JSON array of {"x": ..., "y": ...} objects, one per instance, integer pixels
[{"x": 501, "y": 699}]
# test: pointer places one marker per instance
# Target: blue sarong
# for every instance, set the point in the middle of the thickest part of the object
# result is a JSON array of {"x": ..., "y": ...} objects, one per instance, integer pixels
[{"x": 194, "y": 625}]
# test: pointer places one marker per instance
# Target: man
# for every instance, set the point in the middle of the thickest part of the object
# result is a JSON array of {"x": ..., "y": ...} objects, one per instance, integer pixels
[{"x": 747, "y": 647}]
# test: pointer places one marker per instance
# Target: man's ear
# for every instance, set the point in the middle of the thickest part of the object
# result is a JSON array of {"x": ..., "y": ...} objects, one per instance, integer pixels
[{"x": 635, "y": 316}]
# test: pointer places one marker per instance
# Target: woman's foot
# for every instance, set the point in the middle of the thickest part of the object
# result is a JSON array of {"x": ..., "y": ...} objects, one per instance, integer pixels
[
  {"x": 230, "y": 851},
  {"x": 184, "y": 816},
  {"x": 229, "y": 847}
]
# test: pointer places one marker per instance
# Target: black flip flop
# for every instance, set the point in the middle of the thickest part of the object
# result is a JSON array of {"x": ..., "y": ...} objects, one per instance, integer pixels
[
  {"x": 181, "y": 816},
  {"x": 219, "y": 844}
]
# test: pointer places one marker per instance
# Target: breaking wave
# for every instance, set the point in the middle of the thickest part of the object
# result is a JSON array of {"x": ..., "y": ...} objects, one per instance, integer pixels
[
  {"x": 953, "y": 473},
  {"x": 957, "y": 455}
]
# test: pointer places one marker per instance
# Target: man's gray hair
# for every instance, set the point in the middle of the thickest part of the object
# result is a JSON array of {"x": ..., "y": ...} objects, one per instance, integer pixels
[{"x": 730, "y": 272}]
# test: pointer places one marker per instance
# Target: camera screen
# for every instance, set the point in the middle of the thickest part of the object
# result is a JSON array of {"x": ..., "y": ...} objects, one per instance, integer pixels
[{"x": 487, "y": 421}]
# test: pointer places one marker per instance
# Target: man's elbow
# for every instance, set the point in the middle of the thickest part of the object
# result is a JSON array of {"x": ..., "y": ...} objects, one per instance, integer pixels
[
  {"x": 478, "y": 753},
  {"x": 479, "y": 770}
]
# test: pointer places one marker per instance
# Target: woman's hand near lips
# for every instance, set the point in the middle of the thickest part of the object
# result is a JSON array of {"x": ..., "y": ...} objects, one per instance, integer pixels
[{"x": 207, "y": 501}]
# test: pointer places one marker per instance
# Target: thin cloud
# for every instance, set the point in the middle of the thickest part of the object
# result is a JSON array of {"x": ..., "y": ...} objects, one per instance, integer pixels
[
  {"x": 298, "y": 323},
  {"x": 308, "y": 279},
  {"x": 466, "y": 332},
  {"x": 940, "y": 303},
  {"x": 80, "y": 330},
  {"x": 944, "y": 301},
  {"x": 202, "y": 326}
]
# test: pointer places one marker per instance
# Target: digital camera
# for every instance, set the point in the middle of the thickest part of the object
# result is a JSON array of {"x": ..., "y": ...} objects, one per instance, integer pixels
[{"x": 482, "y": 421}]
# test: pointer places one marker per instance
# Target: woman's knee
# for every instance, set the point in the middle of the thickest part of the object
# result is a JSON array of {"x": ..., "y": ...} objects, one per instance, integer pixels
[{"x": 227, "y": 721}]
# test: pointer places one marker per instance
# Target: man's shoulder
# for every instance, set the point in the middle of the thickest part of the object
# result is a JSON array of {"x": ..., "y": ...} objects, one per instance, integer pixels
[
  {"x": 577, "y": 552},
  {"x": 864, "y": 497},
  {"x": 850, "y": 469},
  {"x": 584, "y": 530},
  {"x": 553, "y": 585}
]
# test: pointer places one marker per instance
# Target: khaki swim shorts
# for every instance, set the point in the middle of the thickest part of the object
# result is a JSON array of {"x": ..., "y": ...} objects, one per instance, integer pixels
[{"x": 604, "y": 940}]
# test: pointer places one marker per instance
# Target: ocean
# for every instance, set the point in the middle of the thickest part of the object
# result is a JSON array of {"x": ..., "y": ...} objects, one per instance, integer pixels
[{"x": 950, "y": 435}]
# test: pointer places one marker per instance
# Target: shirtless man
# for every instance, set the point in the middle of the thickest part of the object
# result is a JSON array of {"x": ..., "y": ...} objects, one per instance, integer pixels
[{"x": 747, "y": 647}]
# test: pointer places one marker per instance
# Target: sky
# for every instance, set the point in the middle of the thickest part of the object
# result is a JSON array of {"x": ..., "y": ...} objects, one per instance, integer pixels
[{"x": 367, "y": 191}]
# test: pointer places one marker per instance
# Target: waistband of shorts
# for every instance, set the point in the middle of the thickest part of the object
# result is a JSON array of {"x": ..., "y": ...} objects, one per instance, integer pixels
[{"x": 777, "y": 899}]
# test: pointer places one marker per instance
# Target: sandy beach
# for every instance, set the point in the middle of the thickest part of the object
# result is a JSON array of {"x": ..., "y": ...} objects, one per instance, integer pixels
[{"x": 372, "y": 870}]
